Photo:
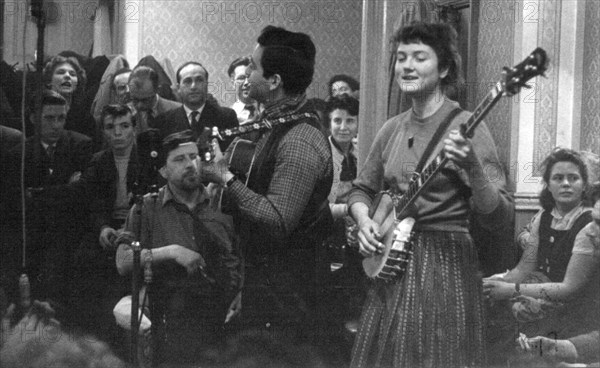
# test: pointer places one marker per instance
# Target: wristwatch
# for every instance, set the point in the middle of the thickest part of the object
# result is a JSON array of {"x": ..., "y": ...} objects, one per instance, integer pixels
[{"x": 231, "y": 181}]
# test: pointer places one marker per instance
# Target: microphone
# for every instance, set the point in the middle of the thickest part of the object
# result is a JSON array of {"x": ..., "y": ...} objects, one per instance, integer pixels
[{"x": 149, "y": 144}]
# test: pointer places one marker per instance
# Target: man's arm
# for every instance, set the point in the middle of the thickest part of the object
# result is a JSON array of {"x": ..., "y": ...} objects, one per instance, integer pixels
[
  {"x": 299, "y": 165},
  {"x": 190, "y": 260}
]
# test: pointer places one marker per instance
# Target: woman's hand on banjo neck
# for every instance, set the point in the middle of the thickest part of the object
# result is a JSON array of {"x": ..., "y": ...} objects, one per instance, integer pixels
[{"x": 368, "y": 231}]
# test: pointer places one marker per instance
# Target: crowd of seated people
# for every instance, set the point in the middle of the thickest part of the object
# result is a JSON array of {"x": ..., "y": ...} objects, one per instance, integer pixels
[{"x": 118, "y": 160}]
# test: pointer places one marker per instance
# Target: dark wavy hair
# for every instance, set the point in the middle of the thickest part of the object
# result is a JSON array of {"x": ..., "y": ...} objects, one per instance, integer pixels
[
  {"x": 291, "y": 55},
  {"x": 341, "y": 102},
  {"x": 115, "y": 111},
  {"x": 351, "y": 82},
  {"x": 562, "y": 155},
  {"x": 53, "y": 63},
  {"x": 442, "y": 38}
]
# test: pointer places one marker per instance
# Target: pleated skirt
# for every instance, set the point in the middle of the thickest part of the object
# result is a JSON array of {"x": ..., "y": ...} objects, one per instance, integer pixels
[{"x": 433, "y": 316}]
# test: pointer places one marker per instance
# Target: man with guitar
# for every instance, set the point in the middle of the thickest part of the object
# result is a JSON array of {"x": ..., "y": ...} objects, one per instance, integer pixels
[{"x": 281, "y": 211}]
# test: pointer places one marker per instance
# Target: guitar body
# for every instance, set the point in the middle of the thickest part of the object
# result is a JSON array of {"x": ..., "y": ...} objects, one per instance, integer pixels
[
  {"x": 393, "y": 260},
  {"x": 241, "y": 159}
]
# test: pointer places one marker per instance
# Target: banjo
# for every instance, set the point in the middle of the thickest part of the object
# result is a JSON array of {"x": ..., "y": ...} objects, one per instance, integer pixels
[{"x": 393, "y": 212}]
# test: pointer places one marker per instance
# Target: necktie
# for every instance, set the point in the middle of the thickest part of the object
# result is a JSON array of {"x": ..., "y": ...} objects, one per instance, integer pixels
[
  {"x": 50, "y": 152},
  {"x": 194, "y": 118},
  {"x": 143, "y": 121}
]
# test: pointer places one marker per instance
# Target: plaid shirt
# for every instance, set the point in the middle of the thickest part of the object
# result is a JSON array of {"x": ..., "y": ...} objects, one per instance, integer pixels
[{"x": 303, "y": 159}]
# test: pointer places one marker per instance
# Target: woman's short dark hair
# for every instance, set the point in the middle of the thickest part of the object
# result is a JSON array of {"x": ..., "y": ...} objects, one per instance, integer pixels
[
  {"x": 351, "y": 82},
  {"x": 561, "y": 155},
  {"x": 291, "y": 55},
  {"x": 341, "y": 102},
  {"x": 442, "y": 38},
  {"x": 53, "y": 63},
  {"x": 115, "y": 111}
]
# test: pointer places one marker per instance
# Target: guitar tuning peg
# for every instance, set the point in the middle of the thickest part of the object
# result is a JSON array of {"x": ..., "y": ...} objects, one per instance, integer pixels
[{"x": 528, "y": 86}]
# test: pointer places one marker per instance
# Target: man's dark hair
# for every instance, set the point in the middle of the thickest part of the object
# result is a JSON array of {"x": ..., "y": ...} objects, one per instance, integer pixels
[
  {"x": 291, "y": 55},
  {"x": 118, "y": 72},
  {"x": 351, "y": 82},
  {"x": 49, "y": 98},
  {"x": 172, "y": 141},
  {"x": 243, "y": 60},
  {"x": 115, "y": 111},
  {"x": 145, "y": 72},
  {"x": 177, "y": 74}
]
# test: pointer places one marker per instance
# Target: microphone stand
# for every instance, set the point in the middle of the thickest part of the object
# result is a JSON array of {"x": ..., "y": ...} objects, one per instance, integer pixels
[
  {"x": 136, "y": 246},
  {"x": 37, "y": 12}
]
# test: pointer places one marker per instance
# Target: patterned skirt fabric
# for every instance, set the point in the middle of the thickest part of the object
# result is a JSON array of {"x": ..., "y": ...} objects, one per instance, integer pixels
[{"x": 433, "y": 317}]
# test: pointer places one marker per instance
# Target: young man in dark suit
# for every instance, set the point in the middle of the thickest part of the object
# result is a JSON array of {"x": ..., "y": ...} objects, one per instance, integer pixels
[
  {"x": 199, "y": 110},
  {"x": 59, "y": 157}
]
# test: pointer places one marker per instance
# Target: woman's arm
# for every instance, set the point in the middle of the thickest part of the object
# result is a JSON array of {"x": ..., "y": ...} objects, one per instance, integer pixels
[{"x": 580, "y": 270}]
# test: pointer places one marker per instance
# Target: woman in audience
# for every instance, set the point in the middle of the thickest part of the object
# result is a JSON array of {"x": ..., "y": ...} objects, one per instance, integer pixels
[
  {"x": 341, "y": 113},
  {"x": 65, "y": 76},
  {"x": 555, "y": 285},
  {"x": 433, "y": 315},
  {"x": 584, "y": 348}
]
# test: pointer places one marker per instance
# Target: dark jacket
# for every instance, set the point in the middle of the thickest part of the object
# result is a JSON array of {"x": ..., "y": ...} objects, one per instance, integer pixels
[
  {"x": 212, "y": 115},
  {"x": 99, "y": 183}
]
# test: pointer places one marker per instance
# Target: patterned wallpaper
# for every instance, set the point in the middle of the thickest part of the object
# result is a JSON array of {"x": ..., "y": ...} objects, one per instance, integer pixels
[
  {"x": 547, "y": 88},
  {"x": 590, "y": 115},
  {"x": 216, "y": 32},
  {"x": 495, "y": 50}
]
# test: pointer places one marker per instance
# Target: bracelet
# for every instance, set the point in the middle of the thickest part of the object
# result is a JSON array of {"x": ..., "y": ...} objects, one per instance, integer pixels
[{"x": 231, "y": 181}]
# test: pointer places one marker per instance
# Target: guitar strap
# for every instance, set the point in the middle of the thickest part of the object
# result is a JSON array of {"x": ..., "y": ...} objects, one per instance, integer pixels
[{"x": 436, "y": 137}]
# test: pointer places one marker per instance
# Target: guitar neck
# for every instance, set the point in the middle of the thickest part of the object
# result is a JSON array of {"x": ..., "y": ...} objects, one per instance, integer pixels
[
  {"x": 263, "y": 124},
  {"x": 423, "y": 179}
]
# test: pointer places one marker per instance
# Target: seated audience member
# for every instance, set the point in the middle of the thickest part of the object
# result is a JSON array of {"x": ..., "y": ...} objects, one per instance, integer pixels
[
  {"x": 555, "y": 286},
  {"x": 584, "y": 348},
  {"x": 193, "y": 252},
  {"x": 198, "y": 111},
  {"x": 143, "y": 91},
  {"x": 66, "y": 76},
  {"x": 107, "y": 184},
  {"x": 245, "y": 107},
  {"x": 343, "y": 84},
  {"x": 38, "y": 341},
  {"x": 52, "y": 228}
]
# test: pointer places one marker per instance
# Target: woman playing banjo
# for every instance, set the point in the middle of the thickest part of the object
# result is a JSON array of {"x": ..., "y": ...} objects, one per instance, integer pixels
[{"x": 433, "y": 315}]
